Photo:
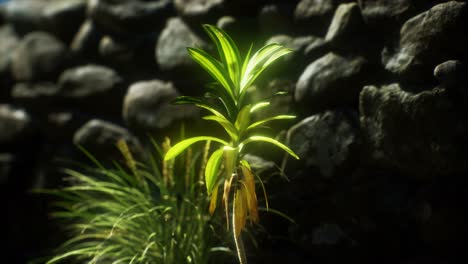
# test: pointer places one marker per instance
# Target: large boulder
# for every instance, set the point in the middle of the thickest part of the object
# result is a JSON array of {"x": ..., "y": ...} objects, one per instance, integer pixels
[
  {"x": 147, "y": 107},
  {"x": 331, "y": 81},
  {"x": 427, "y": 40},
  {"x": 129, "y": 16},
  {"x": 327, "y": 143},
  {"x": 422, "y": 134},
  {"x": 39, "y": 56}
]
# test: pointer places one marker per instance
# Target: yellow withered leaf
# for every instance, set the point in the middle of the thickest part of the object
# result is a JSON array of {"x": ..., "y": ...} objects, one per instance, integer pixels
[
  {"x": 240, "y": 207},
  {"x": 227, "y": 189},
  {"x": 251, "y": 196},
  {"x": 214, "y": 199}
]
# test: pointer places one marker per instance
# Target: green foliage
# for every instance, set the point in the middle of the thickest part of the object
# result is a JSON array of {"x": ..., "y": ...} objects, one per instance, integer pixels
[
  {"x": 138, "y": 213},
  {"x": 233, "y": 75}
]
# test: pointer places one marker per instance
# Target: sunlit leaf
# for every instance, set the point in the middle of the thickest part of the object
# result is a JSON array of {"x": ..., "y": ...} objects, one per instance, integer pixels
[
  {"x": 181, "y": 146},
  {"x": 261, "y": 122},
  {"x": 243, "y": 119},
  {"x": 260, "y": 61},
  {"x": 212, "y": 169},
  {"x": 258, "y": 106},
  {"x": 227, "y": 50},
  {"x": 228, "y": 126},
  {"x": 272, "y": 141},
  {"x": 213, "y": 67}
]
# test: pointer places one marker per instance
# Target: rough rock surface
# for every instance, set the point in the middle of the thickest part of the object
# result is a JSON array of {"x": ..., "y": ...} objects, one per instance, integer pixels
[
  {"x": 129, "y": 16},
  {"x": 39, "y": 56},
  {"x": 171, "y": 48},
  {"x": 315, "y": 15},
  {"x": 331, "y": 81},
  {"x": 428, "y": 39},
  {"x": 420, "y": 134},
  {"x": 147, "y": 107},
  {"x": 327, "y": 142},
  {"x": 100, "y": 138}
]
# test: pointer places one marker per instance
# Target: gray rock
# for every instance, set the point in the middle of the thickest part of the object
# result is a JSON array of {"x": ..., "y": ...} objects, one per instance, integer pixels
[
  {"x": 129, "y": 55},
  {"x": 383, "y": 14},
  {"x": 451, "y": 74},
  {"x": 86, "y": 40},
  {"x": 100, "y": 137},
  {"x": 147, "y": 107},
  {"x": 89, "y": 80},
  {"x": 64, "y": 17},
  {"x": 428, "y": 39},
  {"x": 315, "y": 15},
  {"x": 327, "y": 143},
  {"x": 40, "y": 97},
  {"x": 331, "y": 81},
  {"x": 39, "y": 56},
  {"x": 129, "y": 16},
  {"x": 421, "y": 134},
  {"x": 15, "y": 124},
  {"x": 25, "y": 15},
  {"x": 171, "y": 48},
  {"x": 316, "y": 49},
  {"x": 200, "y": 11},
  {"x": 87, "y": 87},
  {"x": 347, "y": 27},
  {"x": 8, "y": 43}
]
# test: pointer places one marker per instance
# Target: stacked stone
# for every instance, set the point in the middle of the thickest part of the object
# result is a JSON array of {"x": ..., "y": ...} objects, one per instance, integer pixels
[{"x": 378, "y": 87}]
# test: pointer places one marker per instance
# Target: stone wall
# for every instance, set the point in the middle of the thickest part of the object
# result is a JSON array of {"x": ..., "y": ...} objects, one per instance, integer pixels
[{"x": 378, "y": 87}]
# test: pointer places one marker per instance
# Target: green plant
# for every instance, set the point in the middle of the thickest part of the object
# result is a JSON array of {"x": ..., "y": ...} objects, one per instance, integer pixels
[
  {"x": 137, "y": 213},
  {"x": 226, "y": 165}
]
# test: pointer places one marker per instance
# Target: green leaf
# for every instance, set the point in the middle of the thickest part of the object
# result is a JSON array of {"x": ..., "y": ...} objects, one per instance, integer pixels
[
  {"x": 258, "y": 106},
  {"x": 228, "y": 126},
  {"x": 213, "y": 67},
  {"x": 227, "y": 50},
  {"x": 181, "y": 146},
  {"x": 269, "y": 140},
  {"x": 212, "y": 169},
  {"x": 243, "y": 119},
  {"x": 260, "y": 61},
  {"x": 261, "y": 122},
  {"x": 230, "y": 160}
]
